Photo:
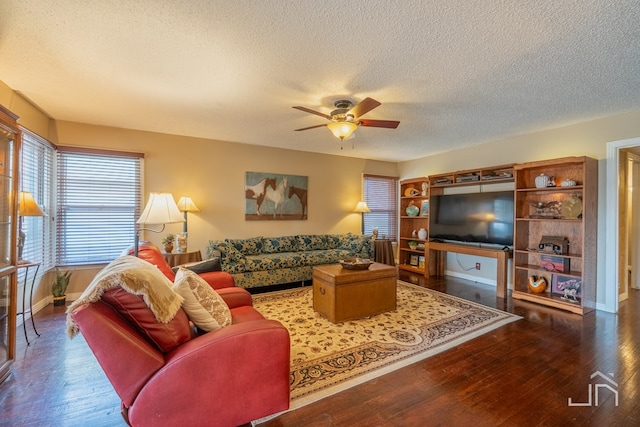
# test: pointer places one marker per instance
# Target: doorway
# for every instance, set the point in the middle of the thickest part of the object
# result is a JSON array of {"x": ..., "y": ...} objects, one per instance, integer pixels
[{"x": 623, "y": 229}]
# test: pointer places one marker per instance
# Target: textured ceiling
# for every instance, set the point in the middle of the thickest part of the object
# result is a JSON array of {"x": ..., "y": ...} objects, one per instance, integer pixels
[{"x": 454, "y": 72}]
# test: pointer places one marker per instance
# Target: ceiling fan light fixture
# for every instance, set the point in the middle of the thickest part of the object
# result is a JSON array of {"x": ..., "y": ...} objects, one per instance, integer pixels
[{"x": 343, "y": 129}]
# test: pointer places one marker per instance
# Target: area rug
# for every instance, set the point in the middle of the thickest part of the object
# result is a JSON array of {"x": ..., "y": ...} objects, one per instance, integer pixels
[{"x": 327, "y": 358}]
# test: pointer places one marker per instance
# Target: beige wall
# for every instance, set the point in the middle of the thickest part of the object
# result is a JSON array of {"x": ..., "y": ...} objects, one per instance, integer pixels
[
  {"x": 581, "y": 139},
  {"x": 29, "y": 115},
  {"x": 212, "y": 173}
]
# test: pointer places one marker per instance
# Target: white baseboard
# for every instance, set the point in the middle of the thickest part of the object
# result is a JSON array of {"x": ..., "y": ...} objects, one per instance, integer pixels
[{"x": 39, "y": 305}]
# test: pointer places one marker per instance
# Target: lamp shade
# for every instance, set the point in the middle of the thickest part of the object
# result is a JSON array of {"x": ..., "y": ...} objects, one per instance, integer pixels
[
  {"x": 342, "y": 130},
  {"x": 362, "y": 207},
  {"x": 27, "y": 206},
  {"x": 160, "y": 209},
  {"x": 185, "y": 204}
]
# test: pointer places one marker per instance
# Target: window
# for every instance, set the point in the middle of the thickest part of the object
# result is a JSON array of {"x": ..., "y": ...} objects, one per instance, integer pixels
[
  {"x": 98, "y": 204},
  {"x": 36, "y": 176},
  {"x": 381, "y": 195}
]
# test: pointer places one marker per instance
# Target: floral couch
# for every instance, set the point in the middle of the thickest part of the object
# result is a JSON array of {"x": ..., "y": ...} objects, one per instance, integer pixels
[{"x": 264, "y": 261}]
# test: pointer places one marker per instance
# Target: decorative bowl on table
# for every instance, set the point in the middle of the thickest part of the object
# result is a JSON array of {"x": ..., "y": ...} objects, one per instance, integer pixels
[{"x": 356, "y": 263}]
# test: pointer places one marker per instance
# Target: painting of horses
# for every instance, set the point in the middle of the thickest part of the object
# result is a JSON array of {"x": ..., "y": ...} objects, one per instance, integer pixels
[{"x": 272, "y": 196}]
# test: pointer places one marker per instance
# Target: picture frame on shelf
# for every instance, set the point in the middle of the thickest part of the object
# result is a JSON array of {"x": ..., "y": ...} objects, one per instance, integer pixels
[
  {"x": 421, "y": 263},
  {"x": 567, "y": 287},
  {"x": 424, "y": 208},
  {"x": 413, "y": 260}
]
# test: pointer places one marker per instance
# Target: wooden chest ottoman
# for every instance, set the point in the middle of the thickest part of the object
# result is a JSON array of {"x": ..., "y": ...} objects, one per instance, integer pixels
[{"x": 340, "y": 294}]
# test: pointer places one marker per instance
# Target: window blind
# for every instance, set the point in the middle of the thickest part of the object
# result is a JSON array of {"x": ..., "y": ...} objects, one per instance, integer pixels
[
  {"x": 36, "y": 176},
  {"x": 381, "y": 195},
  {"x": 99, "y": 197}
]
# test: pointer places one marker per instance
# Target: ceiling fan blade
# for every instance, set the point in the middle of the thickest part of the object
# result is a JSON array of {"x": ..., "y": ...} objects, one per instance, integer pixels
[
  {"x": 390, "y": 124},
  {"x": 311, "y": 127},
  {"x": 317, "y": 113},
  {"x": 364, "y": 107}
]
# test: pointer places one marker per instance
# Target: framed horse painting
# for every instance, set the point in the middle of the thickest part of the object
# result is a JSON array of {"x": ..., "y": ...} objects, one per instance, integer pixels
[{"x": 272, "y": 196}]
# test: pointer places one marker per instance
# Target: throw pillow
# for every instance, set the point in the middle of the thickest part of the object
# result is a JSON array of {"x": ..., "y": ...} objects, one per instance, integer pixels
[
  {"x": 204, "y": 307},
  {"x": 199, "y": 267}
]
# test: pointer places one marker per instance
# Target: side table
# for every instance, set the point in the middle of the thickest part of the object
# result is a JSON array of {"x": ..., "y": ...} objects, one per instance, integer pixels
[
  {"x": 182, "y": 258},
  {"x": 27, "y": 265},
  {"x": 384, "y": 252}
]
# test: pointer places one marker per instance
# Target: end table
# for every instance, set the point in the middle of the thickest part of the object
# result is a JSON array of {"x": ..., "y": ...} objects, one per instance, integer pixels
[
  {"x": 27, "y": 265},
  {"x": 182, "y": 258}
]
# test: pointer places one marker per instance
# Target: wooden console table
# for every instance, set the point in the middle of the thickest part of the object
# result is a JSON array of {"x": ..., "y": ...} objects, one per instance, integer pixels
[{"x": 440, "y": 249}]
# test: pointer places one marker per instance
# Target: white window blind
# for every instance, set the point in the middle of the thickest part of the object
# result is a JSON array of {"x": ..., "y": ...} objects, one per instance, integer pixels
[
  {"x": 98, "y": 204},
  {"x": 381, "y": 195},
  {"x": 36, "y": 176}
]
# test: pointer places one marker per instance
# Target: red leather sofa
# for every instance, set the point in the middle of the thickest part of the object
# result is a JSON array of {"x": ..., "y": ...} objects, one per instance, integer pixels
[
  {"x": 150, "y": 253},
  {"x": 226, "y": 377}
]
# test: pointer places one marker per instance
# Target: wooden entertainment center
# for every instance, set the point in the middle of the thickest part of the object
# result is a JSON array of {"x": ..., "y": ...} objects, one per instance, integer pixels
[{"x": 564, "y": 208}]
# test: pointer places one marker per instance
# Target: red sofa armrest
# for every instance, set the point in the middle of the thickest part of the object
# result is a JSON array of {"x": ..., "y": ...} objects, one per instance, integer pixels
[
  {"x": 125, "y": 356},
  {"x": 232, "y": 376},
  {"x": 235, "y": 297},
  {"x": 218, "y": 279}
]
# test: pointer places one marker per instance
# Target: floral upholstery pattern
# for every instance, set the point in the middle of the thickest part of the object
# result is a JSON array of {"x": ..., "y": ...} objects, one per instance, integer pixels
[
  {"x": 251, "y": 246},
  {"x": 273, "y": 245},
  {"x": 264, "y": 261}
]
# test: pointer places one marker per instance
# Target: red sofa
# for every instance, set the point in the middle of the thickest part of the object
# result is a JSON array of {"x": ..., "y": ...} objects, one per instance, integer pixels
[
  {"x": 150, "y": 253},
  {"x": 226, "y": 377}
]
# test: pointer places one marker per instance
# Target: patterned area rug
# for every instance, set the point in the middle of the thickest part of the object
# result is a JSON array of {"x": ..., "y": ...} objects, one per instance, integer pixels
[{"x": 327, "y": 358}]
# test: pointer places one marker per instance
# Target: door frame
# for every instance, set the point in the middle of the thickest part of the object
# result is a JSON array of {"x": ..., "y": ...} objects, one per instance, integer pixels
[{"x": 612, "y": 225}]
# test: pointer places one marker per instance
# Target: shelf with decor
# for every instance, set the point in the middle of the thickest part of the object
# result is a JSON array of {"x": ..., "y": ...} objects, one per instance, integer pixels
[
  {"x": 414, "y": 225},
  {"x": 492, "y": 174},
  {"x": 555, "y": 233}
]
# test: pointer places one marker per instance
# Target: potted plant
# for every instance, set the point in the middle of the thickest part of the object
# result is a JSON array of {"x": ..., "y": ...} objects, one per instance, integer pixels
[
  {"x": 59, "y": 287},
  {"x": 167, "y": 241}
]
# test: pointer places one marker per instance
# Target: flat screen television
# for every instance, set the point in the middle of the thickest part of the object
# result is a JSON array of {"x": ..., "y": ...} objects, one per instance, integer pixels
[{"x": 472, "y": 218}]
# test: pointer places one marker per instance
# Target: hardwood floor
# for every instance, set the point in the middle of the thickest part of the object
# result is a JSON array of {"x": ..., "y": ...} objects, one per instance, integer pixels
[{"x": 522, "y": 374}]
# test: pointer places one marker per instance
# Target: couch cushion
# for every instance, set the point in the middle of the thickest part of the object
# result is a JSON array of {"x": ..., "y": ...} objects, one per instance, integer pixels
[
  {"x": 133, "y": 309},
  {"x": 272, "y": 245},
  {"x": 274, "y": 261},
  {"x": 352, "y": 242},
  {"x": 200, "y": 267},
  {"x": 333, "y": 241},
  {"x": 312, "y": 242},
  {"x": 205, "y": 308},
  {"x": 250, "y": 246},
  {"x": 327, "y": 256}
]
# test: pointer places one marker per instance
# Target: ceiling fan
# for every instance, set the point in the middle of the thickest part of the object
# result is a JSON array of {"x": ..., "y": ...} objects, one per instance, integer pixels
[{"x": 346, "y": 118}]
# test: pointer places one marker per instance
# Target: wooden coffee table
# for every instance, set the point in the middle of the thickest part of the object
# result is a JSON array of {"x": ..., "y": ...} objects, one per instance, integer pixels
[{"x": 340, "y": 294}]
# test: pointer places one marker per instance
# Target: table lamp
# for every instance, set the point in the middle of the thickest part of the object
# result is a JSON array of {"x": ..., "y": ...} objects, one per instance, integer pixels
[
  {"x": 27, "y": 206},
  {"x": 161, "y": 209},
  {"x": 185, "y": 204}
]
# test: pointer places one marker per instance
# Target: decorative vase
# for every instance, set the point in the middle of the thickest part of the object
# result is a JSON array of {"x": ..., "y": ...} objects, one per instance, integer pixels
[
  {"x": 542, "y": 181},
  {"x": 57, "y": 301},
  {"x": 412, "y": 210},
  {"x": 168, "y": 247},
  {"x": 422, "y": 234}
]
